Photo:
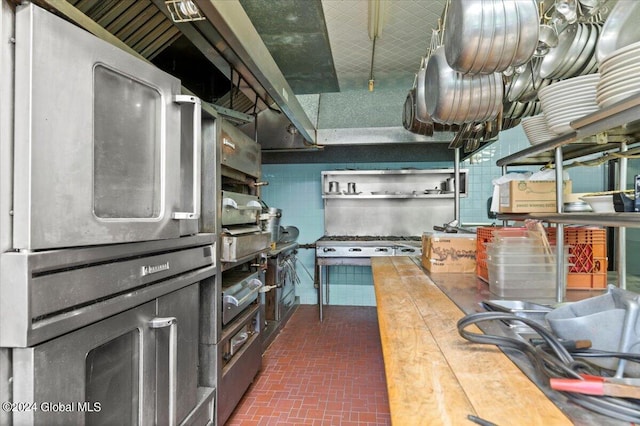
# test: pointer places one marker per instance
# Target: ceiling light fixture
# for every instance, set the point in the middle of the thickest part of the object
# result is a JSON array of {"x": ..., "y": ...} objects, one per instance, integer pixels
[
  {"x": 183, "y": 10},
  {"x": 377, "y": 16}
]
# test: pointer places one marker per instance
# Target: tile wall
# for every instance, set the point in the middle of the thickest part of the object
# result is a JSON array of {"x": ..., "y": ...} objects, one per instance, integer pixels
[{"x": 296, "y": 189}]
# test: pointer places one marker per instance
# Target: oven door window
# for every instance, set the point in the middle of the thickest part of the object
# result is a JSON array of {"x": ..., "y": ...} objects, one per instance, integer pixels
[
  {"x": 111, "y": 372},
  {"x": 127, "y": 157}
]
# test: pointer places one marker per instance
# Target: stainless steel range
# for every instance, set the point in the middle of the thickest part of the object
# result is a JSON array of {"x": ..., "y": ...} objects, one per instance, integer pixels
[
  {"x": 332, "y": 250},
  {"x": 371, "y": 213},
  {"x": 365, "y": 247}
]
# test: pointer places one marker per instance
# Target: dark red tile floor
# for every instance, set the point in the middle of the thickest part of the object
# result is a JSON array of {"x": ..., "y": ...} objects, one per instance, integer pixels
[{"x": 328, "y": 373}]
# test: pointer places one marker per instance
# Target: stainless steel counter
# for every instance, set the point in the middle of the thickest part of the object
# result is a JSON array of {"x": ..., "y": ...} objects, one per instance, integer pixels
[{"x": 467, "y": 292}]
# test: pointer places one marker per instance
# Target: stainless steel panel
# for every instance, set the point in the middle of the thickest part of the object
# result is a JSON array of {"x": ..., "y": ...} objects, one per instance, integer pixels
[
  {"x": 287, "y": 303},
  {"x": 239, "y": 376},
  {"x": 63, "y": 290},
  {"x": 385, "y": 217},
  {"x": 239, "y": 151},
  {"x": 6, "y": 377},
  {"x": 377, "y": 135},
  {"x": 238, "y": 371},
  {"x": 24, "y": 293},
  {"x": 54, "y": 141},
  {"x": 204, "y": 413},
  {"x": 6, "y": 128},
  {"x": 208, "y": 365},
  {"x": 233, "y": 249},
  {"x": 239, "y": 208}
]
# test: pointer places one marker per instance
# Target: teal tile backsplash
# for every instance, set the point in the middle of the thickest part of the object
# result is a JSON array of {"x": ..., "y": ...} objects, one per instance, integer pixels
[{"x": 296, "y": 189}]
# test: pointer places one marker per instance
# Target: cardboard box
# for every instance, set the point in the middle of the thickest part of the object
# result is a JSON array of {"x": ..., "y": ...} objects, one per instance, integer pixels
[
  {"x": 448, "y": 252},
  {"x": 527, "y": 196}
]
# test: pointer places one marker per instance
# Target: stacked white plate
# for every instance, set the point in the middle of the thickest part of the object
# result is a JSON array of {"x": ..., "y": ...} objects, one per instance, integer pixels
[
  {"x": 487, "y": 36},
  {"x": 456, "y": 98},
  {"x": 575, "y": 53},
  {"x": 567, "y": 100},
  {"x": 619, "y": 78},
  {"x": 537, "y": 129}
]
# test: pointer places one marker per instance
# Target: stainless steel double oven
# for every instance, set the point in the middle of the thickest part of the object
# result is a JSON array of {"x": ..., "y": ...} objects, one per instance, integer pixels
[{"x": 103, "y": 262}]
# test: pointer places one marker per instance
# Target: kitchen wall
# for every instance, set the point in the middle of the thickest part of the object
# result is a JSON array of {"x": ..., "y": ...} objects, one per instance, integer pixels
[{"x": 296, "y": 189}]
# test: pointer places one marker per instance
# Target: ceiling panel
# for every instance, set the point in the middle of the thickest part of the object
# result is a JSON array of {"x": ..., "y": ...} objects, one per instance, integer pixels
[{"x": 405, "y": 37}]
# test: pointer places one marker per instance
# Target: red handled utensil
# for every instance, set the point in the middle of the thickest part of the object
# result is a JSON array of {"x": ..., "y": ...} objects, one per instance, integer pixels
[{"x": 596, "y": 385}]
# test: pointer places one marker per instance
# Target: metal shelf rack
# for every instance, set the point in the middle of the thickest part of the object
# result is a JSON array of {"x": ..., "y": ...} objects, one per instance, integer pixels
[{"x": 612, "y": 129}]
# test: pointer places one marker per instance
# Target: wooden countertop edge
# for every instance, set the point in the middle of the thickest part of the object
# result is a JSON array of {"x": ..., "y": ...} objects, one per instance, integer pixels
[{"x": 434, "y": 376}]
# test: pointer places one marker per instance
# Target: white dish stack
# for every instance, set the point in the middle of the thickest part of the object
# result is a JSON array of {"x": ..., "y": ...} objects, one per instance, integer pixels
[
  {"x": 619, "y": 77},
  {"x": 537, "y": 129},
  {"x": 569, "y": 100}
]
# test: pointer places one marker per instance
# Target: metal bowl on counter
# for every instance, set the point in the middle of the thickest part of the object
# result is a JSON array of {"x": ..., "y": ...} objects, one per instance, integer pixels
[
  {"x": 288, "y": 234},
  {"x": 576, "y": 207}
]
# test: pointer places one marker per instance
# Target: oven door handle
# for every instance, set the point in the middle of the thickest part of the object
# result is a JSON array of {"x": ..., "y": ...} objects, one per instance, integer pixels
[
  {"x": 172, "y": 323},
  {"x": 255, "y": 285},
  {"x": 238, "y": 341},
  {"x": 251, "y": 205},
  {"x": 197, "y": 123}
]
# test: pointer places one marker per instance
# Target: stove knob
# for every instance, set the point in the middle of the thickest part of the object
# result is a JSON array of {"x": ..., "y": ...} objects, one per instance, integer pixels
[{"x": 328, "y": 249}]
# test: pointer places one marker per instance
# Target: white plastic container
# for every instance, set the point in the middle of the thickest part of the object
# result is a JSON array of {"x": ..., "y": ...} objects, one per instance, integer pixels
[{"x": 523, "y": 276}]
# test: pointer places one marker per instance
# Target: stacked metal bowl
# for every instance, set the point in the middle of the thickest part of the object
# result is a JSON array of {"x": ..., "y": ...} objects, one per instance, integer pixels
[
  {"x": 568, "y": 100},
  {"x": 409, "y": 119},
  {"x": 487, "y": 36},
  {"x": 456, "y": 98},
  {"x": 575, "y": 53},
  {"x": 523, "y": 86},
  {"x": 516, "y": 110}
]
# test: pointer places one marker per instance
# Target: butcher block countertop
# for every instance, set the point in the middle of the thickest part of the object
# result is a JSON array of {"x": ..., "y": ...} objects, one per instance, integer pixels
[{"x": 434, "y": 376}]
